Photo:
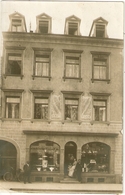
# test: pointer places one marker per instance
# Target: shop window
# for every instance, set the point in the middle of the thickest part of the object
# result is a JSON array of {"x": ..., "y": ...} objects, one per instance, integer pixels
[
  {"x": 42, "y": 63},
  {"x": 71, "y": 109},
  {"x": 41, "y": 108},
  {"x": 100, "y": 66},
  {"x": 45, "y": 157},
  {"x": 95, "y": 158},
  {"x": 12, "y": 107},
  {"x": 72, "y": 64}
]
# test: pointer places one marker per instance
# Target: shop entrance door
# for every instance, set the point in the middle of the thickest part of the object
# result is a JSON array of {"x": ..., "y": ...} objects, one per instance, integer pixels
[{"x": 70, "y": 155}]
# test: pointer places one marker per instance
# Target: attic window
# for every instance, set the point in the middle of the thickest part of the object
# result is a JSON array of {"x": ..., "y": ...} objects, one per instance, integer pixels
[
  {"x": 73, "y": 28},
  {"x": 100, "y": 31},
  {"x": 43, "y": 27},
  {"x": 16, "y": 25}
]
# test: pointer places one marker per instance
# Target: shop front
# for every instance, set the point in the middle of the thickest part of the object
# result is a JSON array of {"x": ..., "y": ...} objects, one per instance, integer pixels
[{"x": 51, "y": 153}]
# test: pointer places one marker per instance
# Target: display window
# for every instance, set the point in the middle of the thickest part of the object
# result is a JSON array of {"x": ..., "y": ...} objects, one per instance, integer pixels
[
  {"x": 45, "y": 156},
  {"x": 95, "y": 157}
]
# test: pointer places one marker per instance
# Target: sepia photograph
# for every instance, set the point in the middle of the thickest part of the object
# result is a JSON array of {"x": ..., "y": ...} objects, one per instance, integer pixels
[{"x": 61, "y": 97}]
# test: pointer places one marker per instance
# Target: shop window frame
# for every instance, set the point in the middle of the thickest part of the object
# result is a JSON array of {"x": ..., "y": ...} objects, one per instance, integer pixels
[
  {"x": 38, "y": 52},
  {"x": 102, "y": 56},
  {"x": 72, "y": 54}
]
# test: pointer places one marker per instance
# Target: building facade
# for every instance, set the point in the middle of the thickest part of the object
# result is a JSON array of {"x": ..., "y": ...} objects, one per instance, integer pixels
[{"x": 61, "y": 98}]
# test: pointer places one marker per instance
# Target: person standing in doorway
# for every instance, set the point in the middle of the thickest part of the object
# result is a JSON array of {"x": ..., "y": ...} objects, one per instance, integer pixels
[
  {"x": 27, "y": 172},
  {"x": 79, "y": 170}
]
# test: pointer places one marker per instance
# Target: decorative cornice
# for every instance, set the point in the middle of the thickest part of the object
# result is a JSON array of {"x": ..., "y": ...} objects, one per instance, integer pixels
[
  {"x": 41, "y": 91},
  {"x": 73, "y": 92},
  {"x": 39, "y": 132},
  {"x": 13, "y": 90},
  {"x": 56, "y": 38},
  {"x": 100, "y": 94}
]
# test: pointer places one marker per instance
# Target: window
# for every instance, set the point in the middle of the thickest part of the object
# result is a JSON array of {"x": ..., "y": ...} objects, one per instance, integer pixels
[
  {"x": 100, "y": 107},
  {"x": 45, "y": 156},
  {"x": 14, "y": 61},
  {"x": 43, "y": 24},
  {"x": 72, "y": 25},
  {"x": 100, "y": 30},
  {"x": 43, "y": 27},
  {"x": 72, "y": 64},
  {"x": 95, "y": 157},
  {"x": 42, "y": 63},
  {"x": 14, "y": 64},
  {"x": 12, "y": 107},
  {"x": 17, "y": 22},
  {"x": 71, "y": 105},
  {"x": 71, "y": 109},
  {"x": 16, "y": 25},
  {"x": 12, "y": 103},
  {"x": 41, "y": 108},
  {"x": 73, "y": 28},
  {"x": 100, "y": 66},
  {"x": 41, "y": 104}
]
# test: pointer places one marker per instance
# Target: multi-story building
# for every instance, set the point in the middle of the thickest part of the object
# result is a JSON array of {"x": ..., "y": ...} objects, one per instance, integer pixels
[{"x": 62, "y": 99}]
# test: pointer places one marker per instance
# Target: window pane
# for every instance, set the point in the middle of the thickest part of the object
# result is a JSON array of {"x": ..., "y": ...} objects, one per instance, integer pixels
[
  {"x": 43, "y": 27},
  {"x": 99, "y": 72},
  {"x": 72, "y": 67},
  {"x": 95, "y": 157},
  {"x": 73, "y": 28},
  {"x": 42, "y": 65},
  {"x": 100, "y": 30},
  {"x": 14, "y": 64},
  {"x": 100, "y": 113},
  {"x": 41, "y": 109},
  {"x": 12, "y": 110},
  {"x": 71, "y": 109},
  {"x": 45, "y": 155}
]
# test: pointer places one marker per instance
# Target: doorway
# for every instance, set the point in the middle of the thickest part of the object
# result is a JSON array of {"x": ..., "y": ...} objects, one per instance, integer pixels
[{"x": 70, "y": 155}]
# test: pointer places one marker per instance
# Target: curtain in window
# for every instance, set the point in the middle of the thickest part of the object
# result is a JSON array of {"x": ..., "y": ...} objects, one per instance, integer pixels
[
  {"x": 41, "y": 109},
  {"x": 13, "y": 110},
  {"x": 72, "y": 67},
  {"x": 71, "y": 111},
  {"x": 100, "y": 68},
  {"x": 100, "y": 110},
  {"x": 42, "y": 66}
]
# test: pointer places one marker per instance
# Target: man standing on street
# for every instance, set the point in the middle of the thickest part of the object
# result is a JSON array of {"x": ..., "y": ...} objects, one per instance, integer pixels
[
  {"x": 27, "y": 171},
  {"x": 79, "y": 170}
]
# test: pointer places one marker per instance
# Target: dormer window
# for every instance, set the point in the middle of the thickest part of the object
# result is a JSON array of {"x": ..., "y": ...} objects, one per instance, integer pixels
[
  {"x": 43, "y": 24},
  {"x": 17, "y": 23},
  {"x": 43, "y": 27},
  {"x": 72, "y": 26},
  {"x": 98, "y": 28}
]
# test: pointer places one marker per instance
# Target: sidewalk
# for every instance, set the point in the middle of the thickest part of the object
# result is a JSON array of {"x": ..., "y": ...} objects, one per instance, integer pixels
[{"x": 57, "y": 188}]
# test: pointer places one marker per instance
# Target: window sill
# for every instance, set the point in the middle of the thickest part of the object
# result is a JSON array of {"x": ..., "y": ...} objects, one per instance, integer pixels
[
  {"x": 66, "y": 78},
  {"x": 71, "y": 121},
  {"x": 13, "y": 75},
  {"x": 100, "y": 122},
  {"x": 11, "y": 119},
  {"x": 33, "y": 77},
  {"x": 40, "y": 120},
  {"x": 100, "y": 80}
]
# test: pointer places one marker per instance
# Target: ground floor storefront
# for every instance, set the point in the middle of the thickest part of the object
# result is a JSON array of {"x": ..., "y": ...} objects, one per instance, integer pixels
[{"x": 51, "y": 153}]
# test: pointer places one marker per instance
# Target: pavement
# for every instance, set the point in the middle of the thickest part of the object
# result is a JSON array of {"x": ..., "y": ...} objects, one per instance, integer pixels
[{"x": 59, "y": 188}]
